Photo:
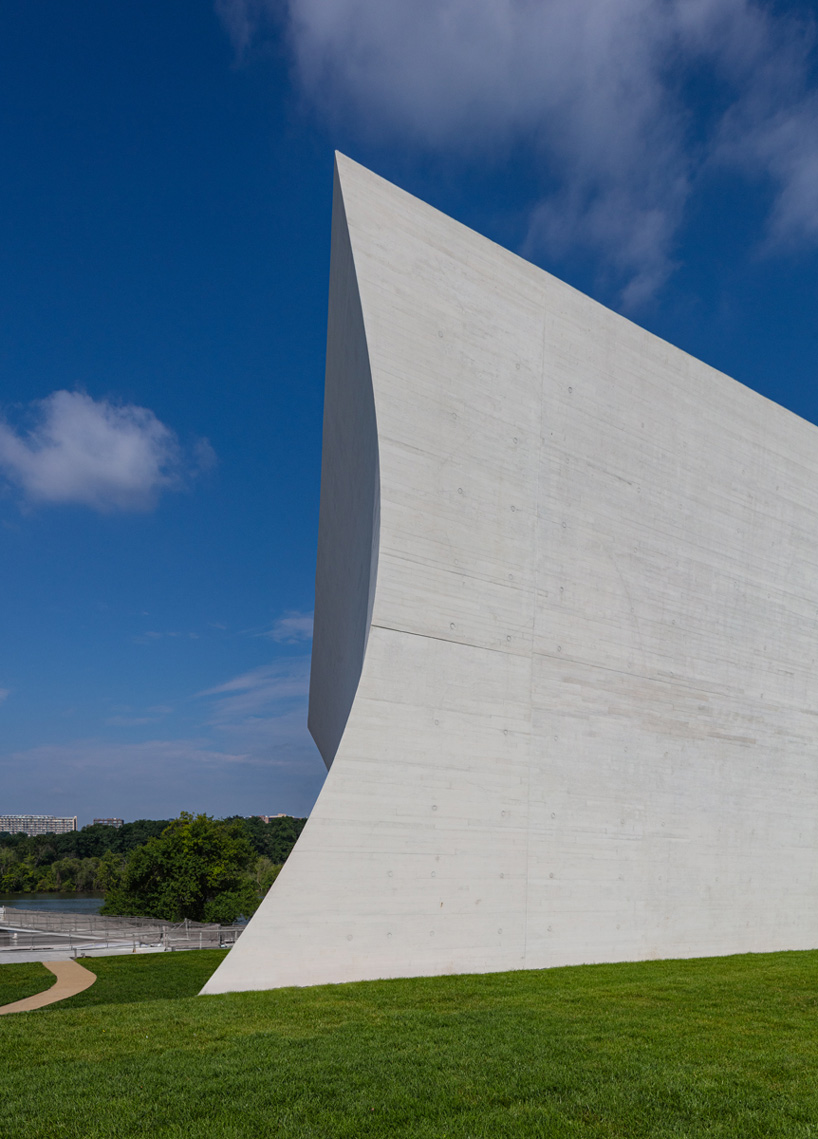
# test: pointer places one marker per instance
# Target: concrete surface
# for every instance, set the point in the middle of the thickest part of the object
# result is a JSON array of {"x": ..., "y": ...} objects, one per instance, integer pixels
[{"x": 564, "y": 667}]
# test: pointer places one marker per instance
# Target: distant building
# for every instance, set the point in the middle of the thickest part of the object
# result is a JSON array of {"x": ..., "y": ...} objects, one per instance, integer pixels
[
  {"x": 37, "y": 824},
  {"x": 109, "y": 822},
  {"x": 266, "y": 818}
]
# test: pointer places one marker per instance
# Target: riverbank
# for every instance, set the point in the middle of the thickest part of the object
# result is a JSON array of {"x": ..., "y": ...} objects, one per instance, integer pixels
[{"x": 55, "y": 902}]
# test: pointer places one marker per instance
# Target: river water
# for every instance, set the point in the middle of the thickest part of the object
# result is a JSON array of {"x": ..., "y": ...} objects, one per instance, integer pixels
[{"x": 56, "y": 903}]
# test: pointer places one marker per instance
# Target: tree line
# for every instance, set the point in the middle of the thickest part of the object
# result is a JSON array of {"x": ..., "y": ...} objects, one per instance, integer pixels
[{"x": 192, "y": 867}]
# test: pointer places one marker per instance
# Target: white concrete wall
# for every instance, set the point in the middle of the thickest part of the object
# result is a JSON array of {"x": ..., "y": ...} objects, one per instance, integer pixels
[
  {"x": 350, "y": 500},
  {"x": 585, "y": 726}
]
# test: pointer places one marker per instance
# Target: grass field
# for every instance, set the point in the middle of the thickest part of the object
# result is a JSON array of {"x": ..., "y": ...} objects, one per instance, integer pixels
[
  {"x": 146, "y": 977},
  {"x": 18, "y": 981},
  {"x": 724, "y": 1047}
]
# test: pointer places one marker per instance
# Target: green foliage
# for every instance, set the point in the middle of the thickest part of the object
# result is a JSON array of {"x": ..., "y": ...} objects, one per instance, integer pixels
[
  {"x": 81, "y": 860},
  {"x": 275, "y": 839},
  {"x": 89, "y": 842},
  {"x": 109, "y": 871},
  {"x": 27, "y": 875},
  {"x": 725, "y": 1048},
  {"x": 265, "y": 873},
  {"x": 198, "y": 868},
  {"x": 93, "y": 858}
]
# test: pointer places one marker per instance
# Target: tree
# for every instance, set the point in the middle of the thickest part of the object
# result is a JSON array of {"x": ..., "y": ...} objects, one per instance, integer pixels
[
  {"x": 265, "y": 873},
  {"x": 274, "y": 839},
  {"x": 198, "y": 868}
]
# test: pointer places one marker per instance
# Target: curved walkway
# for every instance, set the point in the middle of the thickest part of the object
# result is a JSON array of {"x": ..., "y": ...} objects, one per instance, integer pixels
[{"x": 72, "y": 978}]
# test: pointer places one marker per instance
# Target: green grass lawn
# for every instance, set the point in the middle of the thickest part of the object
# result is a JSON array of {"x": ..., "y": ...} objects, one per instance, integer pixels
[
  {"x": 146, "y": 977},
  {"x": 18, "y": 981},
  {"x": 723, "y": 1047}
]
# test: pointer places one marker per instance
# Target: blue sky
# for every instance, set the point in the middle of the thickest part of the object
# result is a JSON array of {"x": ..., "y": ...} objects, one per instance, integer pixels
[{"x": 164, "y": 234}]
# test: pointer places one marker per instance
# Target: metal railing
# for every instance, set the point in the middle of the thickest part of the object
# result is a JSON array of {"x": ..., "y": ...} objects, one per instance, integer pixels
[{"x": 34, "y": 930}]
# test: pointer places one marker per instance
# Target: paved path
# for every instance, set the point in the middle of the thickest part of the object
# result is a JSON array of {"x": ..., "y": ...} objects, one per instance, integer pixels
[{"x": 71, "y": 978}]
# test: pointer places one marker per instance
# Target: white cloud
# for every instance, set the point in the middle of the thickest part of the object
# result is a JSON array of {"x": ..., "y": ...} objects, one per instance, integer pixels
[
  {"x": 262, "y": 688},
  {"x": 773, "y": 137},
  {"x": 243, "y": 20},
  {"x": 265, "y": 708},
  {"x": 291, "y": 627},
  {"x": 95, "y": 453},
  {"x": 124, "y": 716},
  {"x": 156, "y": 778},
  {"x": 149, "y": 779},
  {"x": 151, "y": 635},
  {"x": 599, "y": 91},
  {"x": 244, "y": 744}
]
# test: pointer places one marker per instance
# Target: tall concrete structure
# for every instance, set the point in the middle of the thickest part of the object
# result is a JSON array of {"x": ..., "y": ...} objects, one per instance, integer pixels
[{"x": 564, "y": 670}]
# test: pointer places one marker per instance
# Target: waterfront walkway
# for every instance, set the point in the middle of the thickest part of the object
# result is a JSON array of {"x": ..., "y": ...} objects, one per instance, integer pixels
[
  {"x": 72, "y": 978},
  {"x": 45, "y": 935}
]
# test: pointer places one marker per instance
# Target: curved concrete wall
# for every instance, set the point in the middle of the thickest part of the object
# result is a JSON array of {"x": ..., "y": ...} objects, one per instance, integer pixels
[
  {"x": 584, "y": 721},
  {"x": 349, "y": 523}
]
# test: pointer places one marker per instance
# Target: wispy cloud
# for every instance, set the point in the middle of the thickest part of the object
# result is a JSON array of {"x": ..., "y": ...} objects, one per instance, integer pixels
[
  {"x": 241, "y": 746},
  {"x": 261, "y": 688},
  {"x": 291, "y": 628},
  {"x": 604, "y": 94},
  {"x": 95, "y": 453},
  {"x": 245, "y": 19},
  {"x": 4, "y": 693},
  {"x": 152, "y": 635},
  {"x": 123, "y": 720},
  {"x": 157, "y": 778},
  {"x": 264, "y": 710}
]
